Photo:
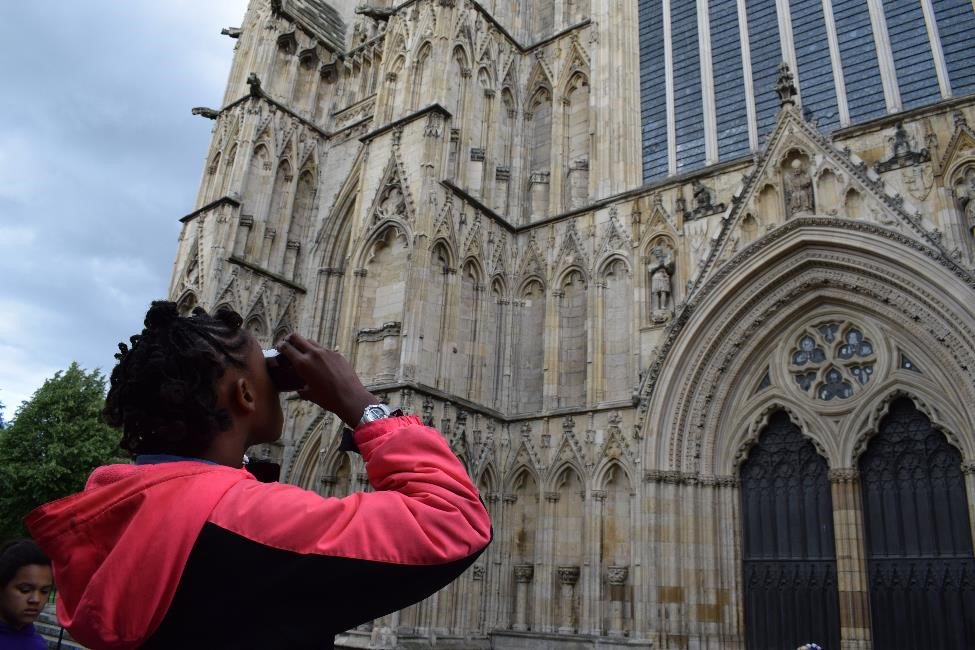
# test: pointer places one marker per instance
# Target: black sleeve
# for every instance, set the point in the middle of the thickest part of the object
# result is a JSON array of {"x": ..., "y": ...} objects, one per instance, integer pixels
[{"x": 237, "y": 593}]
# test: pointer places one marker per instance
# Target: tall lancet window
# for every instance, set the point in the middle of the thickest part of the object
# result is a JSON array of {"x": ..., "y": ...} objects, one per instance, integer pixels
[
  {"x": 530, "y": 359},
  {"x": 539, "y": 126},
  {"x": 576, "y": 123},
  {"x": 573, "y": 341}
]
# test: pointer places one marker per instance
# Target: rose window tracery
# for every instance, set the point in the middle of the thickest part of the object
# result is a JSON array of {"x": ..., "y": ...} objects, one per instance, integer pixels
[{"x": 832, "y": 361}]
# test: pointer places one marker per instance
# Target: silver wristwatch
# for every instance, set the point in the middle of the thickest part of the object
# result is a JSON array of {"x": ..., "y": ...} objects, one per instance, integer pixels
[{"x": 375, "y": 412}]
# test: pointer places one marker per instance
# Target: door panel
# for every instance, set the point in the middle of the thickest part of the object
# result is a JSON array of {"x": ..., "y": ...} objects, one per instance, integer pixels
[
  {"x": 789, "y": 550},
  {"x": 918, "y": 536}
]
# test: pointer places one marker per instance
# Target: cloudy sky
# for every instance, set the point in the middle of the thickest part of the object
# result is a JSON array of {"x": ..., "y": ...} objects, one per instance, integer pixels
[{"x": 99, "y": 158}]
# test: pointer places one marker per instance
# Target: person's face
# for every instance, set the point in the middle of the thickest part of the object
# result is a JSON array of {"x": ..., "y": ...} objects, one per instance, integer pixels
[{"x": 23, "y": 598}]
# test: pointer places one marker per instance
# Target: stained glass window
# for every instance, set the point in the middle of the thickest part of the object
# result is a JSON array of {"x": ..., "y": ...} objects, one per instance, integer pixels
[{"x": 831, "y": 360}]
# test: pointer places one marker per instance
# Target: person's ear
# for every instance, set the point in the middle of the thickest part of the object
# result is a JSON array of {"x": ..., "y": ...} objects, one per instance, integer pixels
[{"x": 244, "y": 396}]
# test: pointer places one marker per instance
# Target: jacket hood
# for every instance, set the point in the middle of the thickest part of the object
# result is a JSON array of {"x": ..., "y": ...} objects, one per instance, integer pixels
[{"x": 118, "y": 548}]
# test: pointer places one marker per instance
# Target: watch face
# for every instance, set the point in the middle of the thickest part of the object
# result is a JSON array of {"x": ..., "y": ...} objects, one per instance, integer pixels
[{"x": 375, "y": 413}]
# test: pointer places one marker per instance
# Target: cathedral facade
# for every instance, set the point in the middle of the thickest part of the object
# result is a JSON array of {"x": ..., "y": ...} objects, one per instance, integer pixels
[{"x": 688, "y": 285}]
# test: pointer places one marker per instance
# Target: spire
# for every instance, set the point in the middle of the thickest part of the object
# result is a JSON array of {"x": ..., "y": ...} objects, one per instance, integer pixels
[{"x": 785, "y": 87}]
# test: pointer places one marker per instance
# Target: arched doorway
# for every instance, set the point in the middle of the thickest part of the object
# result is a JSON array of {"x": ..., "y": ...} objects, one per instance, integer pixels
[
  {"x": 918, "y": 536},
  {"x": 788, "y": 548}
]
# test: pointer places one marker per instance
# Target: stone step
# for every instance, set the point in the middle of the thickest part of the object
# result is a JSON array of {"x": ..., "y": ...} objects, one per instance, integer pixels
[{"x": 47, "y": 626}]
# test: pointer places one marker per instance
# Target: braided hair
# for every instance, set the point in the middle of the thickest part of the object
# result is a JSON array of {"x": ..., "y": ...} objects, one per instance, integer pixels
[{"x": 163, "y": 389}]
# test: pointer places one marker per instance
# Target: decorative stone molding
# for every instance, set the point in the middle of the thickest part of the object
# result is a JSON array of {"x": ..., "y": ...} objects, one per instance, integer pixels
[
  {"x": 379, "y": 333},
  {"x": 902, "y": 152},
  {"x": 502, "y": 173},
  {"x": 434, "y": 125},
  {"x": 844, "y": 475},
  {"x": 478, "y": 572},
  {"x": 879, "y": 286},
  {"x": 617, "y": 575},
  {"x": 524, "y": 573},
  {"x": 539, "y": 178},
  {"x": 704, "y": 205},
  {"x": 968, "y": 468},
  {"x": 477, "y": 154},
  {"x": 568, "y": 575}
]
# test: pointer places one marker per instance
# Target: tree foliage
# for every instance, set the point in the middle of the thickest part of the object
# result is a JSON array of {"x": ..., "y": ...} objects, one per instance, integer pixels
[{"x": 52, "y": 445}]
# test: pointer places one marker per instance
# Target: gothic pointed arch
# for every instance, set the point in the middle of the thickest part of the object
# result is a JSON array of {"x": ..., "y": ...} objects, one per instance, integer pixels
[
  {"x": 529, "y": 319},
  {"x": 794, "y": 155},
  {"x": 847, "y": 289},
  {"x": 918, "y": 533},
  {"x": 572, "y": 253},
  {"x": 187, "y": 303},
  {"x": 538, "y": 146},
  {"x": 788, "y": 545},
  {"x": 381, "y": 273},
  {"x": 493, "y": 337},
  {"x": 393, "y": 200},
  {"x": 573, "y": 332},
  {"x": 422, "y": 73},
  {"x": 435, "y": 328},
  {"x": 302, "y": 216},
  {"x": 396, "y": 86},
  {"x": 615, "y": 287}
]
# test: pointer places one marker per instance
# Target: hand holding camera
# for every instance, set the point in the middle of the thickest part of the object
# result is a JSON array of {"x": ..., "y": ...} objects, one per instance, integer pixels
[{"x": 322, "y": 376}]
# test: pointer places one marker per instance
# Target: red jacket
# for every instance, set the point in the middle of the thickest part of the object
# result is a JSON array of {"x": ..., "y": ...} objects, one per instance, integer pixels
[{"x": 189, "y": 554}]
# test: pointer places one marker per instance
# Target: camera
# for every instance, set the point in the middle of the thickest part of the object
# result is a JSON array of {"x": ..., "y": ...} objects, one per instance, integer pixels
[{"x": 283, "y": 375}]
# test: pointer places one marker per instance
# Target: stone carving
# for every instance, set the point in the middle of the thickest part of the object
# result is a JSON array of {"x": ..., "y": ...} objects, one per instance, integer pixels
[
  {"x": 379, "y": 333},
  {"x": 799, "y": 190},
  {"x": 703, "y": 202},
  {"x": 254, "y": 82},
  {"x": 203, "y": 111},
  {"x": 392, "y": 203},
  {"x": 568, "y": 575},
  {"x": 524, "y": 572},
  {"x": 617, "y": 575},
  {"x": 381, "y": 14},
  {"x": 964, "y": 190},
  {"x": 902, "y": 150},
  {"x": 427, "y": 411},
  {"x": 478, "y": 572},
  {"x": 844, "y": 475},
  {"x": 660, "y": 271},
  {"x": 785, "y": 86},
  {"x": 434, "y": 126}
]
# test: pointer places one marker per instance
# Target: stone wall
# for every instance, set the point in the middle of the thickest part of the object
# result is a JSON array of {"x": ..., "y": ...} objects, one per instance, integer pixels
[{"x": 455, "y": 202}]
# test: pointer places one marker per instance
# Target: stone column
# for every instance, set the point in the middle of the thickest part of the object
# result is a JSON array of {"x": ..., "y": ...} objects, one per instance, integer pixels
[
  {"x": 616, "y": 577},
  {"x": 291, "y": 252},
  {"x": 968, "y": 471},
  {"x": 523, "y": 576},
  {"x": 851, "y": 566},
  {"x": 568, "y": 577}
]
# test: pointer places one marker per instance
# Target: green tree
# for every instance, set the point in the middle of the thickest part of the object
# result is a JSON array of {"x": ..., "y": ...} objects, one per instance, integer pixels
[{"x": 53, "y": 443}]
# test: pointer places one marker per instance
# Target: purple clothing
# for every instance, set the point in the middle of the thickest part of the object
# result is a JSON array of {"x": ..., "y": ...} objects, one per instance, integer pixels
[{"x": 26, "y": 638}]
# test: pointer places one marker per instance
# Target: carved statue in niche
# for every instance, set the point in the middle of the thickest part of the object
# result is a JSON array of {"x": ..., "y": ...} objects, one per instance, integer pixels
[
  {"x": 965, "y": 193},
  {"x": 799, "y": 190},
  {"x": 660, "y": 271}
]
